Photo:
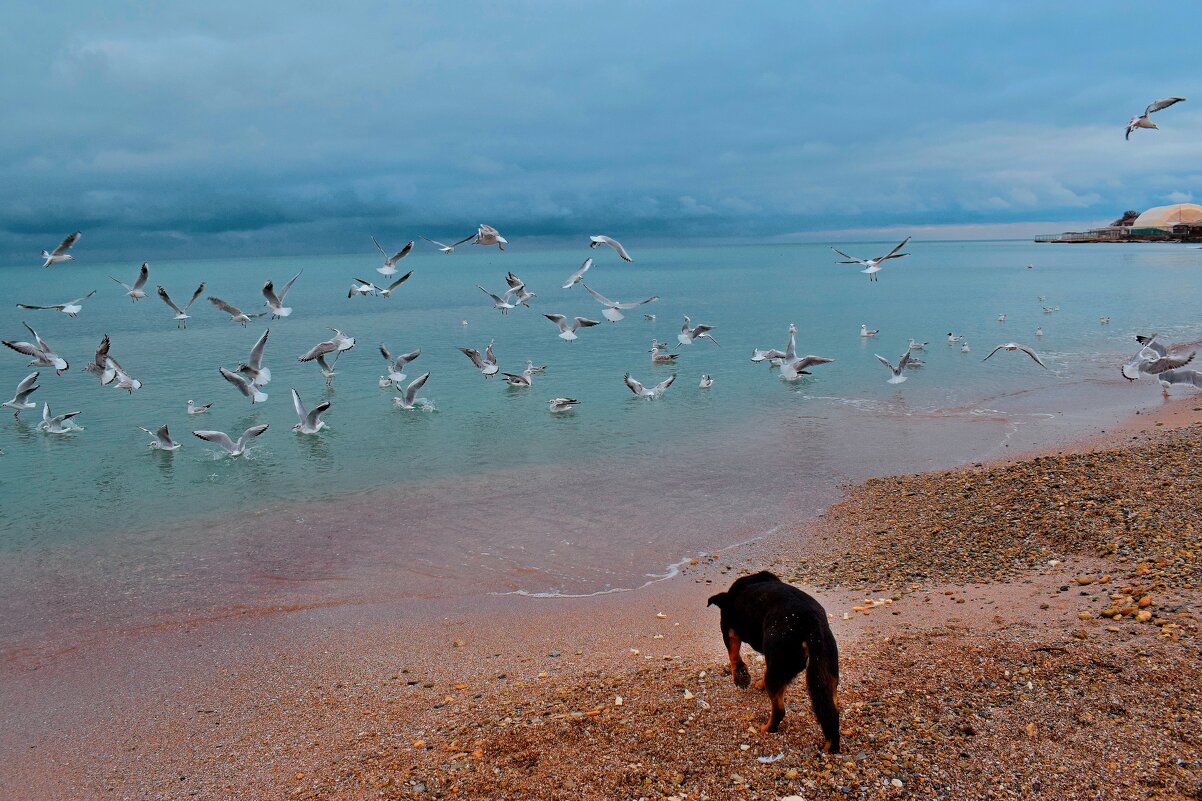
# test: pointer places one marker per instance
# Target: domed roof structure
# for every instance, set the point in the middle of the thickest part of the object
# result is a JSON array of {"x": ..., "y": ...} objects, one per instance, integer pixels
[{"x": 1163, "y": 218}]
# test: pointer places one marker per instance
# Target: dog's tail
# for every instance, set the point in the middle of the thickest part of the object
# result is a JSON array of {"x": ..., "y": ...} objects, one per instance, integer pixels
[
  {"x": 822, "y": 677},
  {"x": 718, "y": 600}
]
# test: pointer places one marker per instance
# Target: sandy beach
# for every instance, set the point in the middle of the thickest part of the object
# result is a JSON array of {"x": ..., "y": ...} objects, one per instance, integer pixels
[{"x": 1018, "y": 629}]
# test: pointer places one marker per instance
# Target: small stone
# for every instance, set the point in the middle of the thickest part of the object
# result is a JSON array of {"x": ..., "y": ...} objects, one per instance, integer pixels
[{"x": 896, "y": 782}]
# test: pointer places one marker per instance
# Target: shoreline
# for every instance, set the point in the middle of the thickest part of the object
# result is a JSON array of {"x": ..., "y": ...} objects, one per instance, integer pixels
[{"x": 461, "y": 641}]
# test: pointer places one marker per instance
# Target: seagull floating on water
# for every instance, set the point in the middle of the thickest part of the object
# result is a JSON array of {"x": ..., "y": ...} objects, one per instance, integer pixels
[
  {"x": 70, "y": 308},
  {"x": 873, "y": 266},
  {"x": 964, "y": 347},
  {"x": 307, "y": 419},
  {"x": 486, "y": 364},
  {"x": 1013, "y": 346},
  {"x": 1001, "y": 318},
  {"x": 194, "y": 409},
  {"x": 916, "y": 345},
  {"x": 556, "y": 405},
  {"x": 161, "y": 440},
  {"x": 1103, "y": 321},
  {"x": 896, "y": 371},
  {"x": 389, "y": 266},
  {"x": 522, "y": 379},
  {"x": 408, "y": 397},
  {"x": 137, "y": 291},
  {"x": 276, "y": 302},
  {"x": 181, "y": 315},
  {"x": 229, "y": 446},
  {"x": 599, "y": 240},
  {"x": 568, "y": 332},
  {"x": 20, "y": 402},
  {"x": 662, "y": 358},
  {"x": 1039, "y": 331},
  {"x": 1154, "y": 106},
  {"x": 865, "y": 331},
  {"x": 576, "y": 277},
  {"x": 60, "y": 254},
  {"x": 707, "y": 381},
  {"x": 40, "y": 350},
  {"x": 58, "y": 424},
  {"x": 641, "y": 391},
  {"x": 612, "y": 310},
  {"x": 688, "y": 332},
  {"x": 952, "y": 338},
  {"x": 236, "y": 315}
]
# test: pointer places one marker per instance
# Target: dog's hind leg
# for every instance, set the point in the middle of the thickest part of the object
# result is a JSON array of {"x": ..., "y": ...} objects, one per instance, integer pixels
[
  {"x": 738, "y": 668},
  {"x": 776, "y": 695},
  {"x": 822, "y": 676}
]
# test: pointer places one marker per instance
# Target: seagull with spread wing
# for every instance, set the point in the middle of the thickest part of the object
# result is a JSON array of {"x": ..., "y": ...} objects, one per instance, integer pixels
[
  {"x": 896, "y": 371},
  {"x": 236, "y": 315},
  {"x": 654, "y": 392},
  {"x": 308, "y": 421},
  {"x": 1153, "y": 359},
  {"x": 70, "y": 308},
  {"x": 408, "y": 398},
  {"x": 181, "y": 315},
  {"x": 41, "y": 352},
  {"x": 396, "y": 364},
  {"x": 688, "y": 332},
  {"x": 1013, "y": 346},
  {"x": 612, "y": 308},
  {"x": 161, "y": 440},
  {"x": 577, "y": 276},
  {"x": 389, "y": 266},
  {"x": 597, "y": 241},
  {"x": 873, "y": 266},
  {"x": 60, "y": 254},
  {"x": 486, "y": 364},
  {"x": 253, "y": 367},
  {"x": 20, "y": 402},
  {"x": 568, "y": 332},
  {"x": 244, "y": 385},
  {"x": 275, "y": 302},
  {"x": 228, "y": 445},
  {"x": 1143, "y": 121},
  {"x": 137, "y": 291}
]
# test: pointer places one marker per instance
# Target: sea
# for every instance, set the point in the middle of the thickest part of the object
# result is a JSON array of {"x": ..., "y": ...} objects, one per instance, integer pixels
[{"x": 482, "y": 488}]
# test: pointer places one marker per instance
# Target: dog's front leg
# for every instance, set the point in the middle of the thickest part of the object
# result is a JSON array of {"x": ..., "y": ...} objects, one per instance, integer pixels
[{"x": 738, "y": 668}]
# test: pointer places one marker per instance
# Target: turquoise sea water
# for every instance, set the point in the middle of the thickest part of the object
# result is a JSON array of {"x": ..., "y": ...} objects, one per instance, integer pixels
[{"x": 56, "y": 489}]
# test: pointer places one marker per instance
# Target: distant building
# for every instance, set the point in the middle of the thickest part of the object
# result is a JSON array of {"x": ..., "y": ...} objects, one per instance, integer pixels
[{"x": 1180, "y": 222}]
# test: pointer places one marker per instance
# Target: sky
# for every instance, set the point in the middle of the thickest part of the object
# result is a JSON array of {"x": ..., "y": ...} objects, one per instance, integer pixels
[{"x": 169, "y": 129}]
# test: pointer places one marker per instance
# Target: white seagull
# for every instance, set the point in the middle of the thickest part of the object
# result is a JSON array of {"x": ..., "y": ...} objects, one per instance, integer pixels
[
  {"x": 688, "y": 332},
  {"x": 522, "y": 379},
  {"x": 408, "y": 398},
  {"x": 337, "y": 345},
  {"x": 389, "y": 266},
  {"x": 865, "y": 331},
  {"x": 244, "y": 385},
  {"x": 60, "y": 253},
  {"x": 1013, "y": 346},
  {"x": 897, "y": 371},
  {"x": 20, "y": 402},
  {"x": 777, "y": 357},
  {"x": 276, "y": 302},
  {"x": 1039, "y": 330},
  {"x": 486, "y": 364},
  {"x": 447, "y": 249},
  {"x": 641, "y": 391},
  {"x": 662, "y": 358},
  {"x": 576, "y": 277},
  {"x": 307, "y": 419},
  {"x": 70, "y": 308},
  {"x": 612, "y": 310},
  {"x": 568, "y": 332},
  {"x": 236, "y": 315},
  {"x": 229, "y": 446},
  {"x": 1173, "y": 377},
  {"x": 181, "y": 315},
  {"x": 1001, "y": 318},
  {"x": 500, "y": 302},
  {"x": 556, "y": 405},
  {"x": 396, "y": 364},
  {"x": 487, "y": 235},
  {"x": 59, "y": 424},
  {"x": 386, "y": 291},
  {"x": 873, "y": 266},
  {"x": 952, "y": 338},
  {"x": 916, "y": 345},
  {"x": 1104, "y": 321},
  {"x": 517, "y": 287},
  {"x": 1153, "y": 359},
  {"x": 1143, "y": 121},
  {"x": 360, "y": 288},
  {"x": 161, "y": 440},
  {"x": 792, "y": 369},
  {"x": 597, "y": 241},
  {"x": 138, "y": 290},
  {"x": 108, "y": 369},
  {"x": 194, "y": 409},
  {"x": 40, "y": 350},
  {"x": 964, "y": 347},
  {"x": 253, "y": 367},
  {"x": 707, "y": 381}
]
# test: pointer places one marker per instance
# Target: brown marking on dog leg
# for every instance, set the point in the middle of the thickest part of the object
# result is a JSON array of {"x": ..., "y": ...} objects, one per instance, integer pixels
[
  {"x": 777, "y": 697},
  {"x": 759, "y": 683},
  {"x": 738, "y": 668}
]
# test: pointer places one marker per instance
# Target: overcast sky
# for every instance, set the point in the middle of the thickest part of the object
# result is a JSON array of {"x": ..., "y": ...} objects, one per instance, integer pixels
[{"x": 166, "y": 129}]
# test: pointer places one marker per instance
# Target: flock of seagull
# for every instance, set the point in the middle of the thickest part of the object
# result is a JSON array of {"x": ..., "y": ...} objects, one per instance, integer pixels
[{"x": 250, "y": 378}]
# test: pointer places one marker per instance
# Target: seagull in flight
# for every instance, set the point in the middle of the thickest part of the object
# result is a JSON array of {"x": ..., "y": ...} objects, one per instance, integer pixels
[
  {"x": 873, "y": 266},
  {"x": 688, "y": 333},
  {"x": 60, "y": 253},
  {"x": 487, "y": 235},
  {"x": 447, "y": 249},
  {"x": 108, "y": 369},
  {"x": 360, "y": 288},
  {"x": 517, "y": 287},
  {"x": 408, "y": 398},
  {"x": 641, "y": 391},
  {"x": 486, "y": 364},
  {"x": 389, "y": 266},
  {"x": 40, "y": 350},
  {"x": 1171, "y": 378},
  {"x": 236, "y": 315},
  {"x": 58, "y": 424},
  {"x": 337, "y": 345},
  {"x": 577, "y": 276},
  {"x": 1013, "y": 346},
  {"x": 568, "y": 332},
  {"x": 276, "y": 302},
  {"x": 70, "y": 308},
  {"x": 386, "y": 291},
  {"x": 20, "y": 402},
  {"x": 229, "y": 446},
  {"x": 897, "y": 371},
  {"x": 612, "y": 308},
  {"x": 137, "y": 291},
  {"x": 1143, "y": 121},
  {"x": 161, "y": 440},
  {"x": 556, "y": 405},
  {"x": 1153, "y": 359},
  {"x": 396, "y": 364},
  {"x": 253, "y": 367},
  {"x": 244, "y": 385},
  {"x": 307, "y": 419},
  {"x": 181, "y": 315},
  {"x": 500, "y": 302},
  {"x": 597, "y": 241}
]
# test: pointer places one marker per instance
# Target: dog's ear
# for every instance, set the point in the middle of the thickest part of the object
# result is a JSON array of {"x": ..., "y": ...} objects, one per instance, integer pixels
[{"x": 717, "y": 600}]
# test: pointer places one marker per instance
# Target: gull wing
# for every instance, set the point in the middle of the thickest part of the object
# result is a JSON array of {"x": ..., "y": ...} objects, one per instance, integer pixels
[
  {"x": 384, "y": 352},
  {"x": 167, "y": 299},
  {"x": 80, "y": 300},
  {"x": 1167, "y": 363},
  {"x": 320, "y": 349},
  {"x": 489, "y": 356},
  {"x": 287, "y": 286},
  {"x": 1155, "y": 105},
  {"x": 405, "y": 358},
  {"x": 604, "y": 301},
  {"x": 301, "y": 411},
  {"x": 437, "y": 243},
  {"x": 1181, "y": 377},
  {"x": 41, "y": 342},
  {"x": 613, "y": 243},
  {"x": 241, "y": 383},
  {"x": 400, "y": 254},
  {"x": 514, "y": 282},
  {"x": 637, "y": 303},
  {"x": 71, "y": 239},
  {"x": 995, "y": 350},
  {"x": 251, "y": 433},
  {"x": 1131, "y": 126},
  {"x": 399, "y": 281},
  {"x": 195, "y": 295},
  {"x": 583, "y": 322},
  {"x": 810, "y": 361},
  {"x": 850, "y": 260},
  {"x": 559, "y": 320},
  {"x": 636, "y": 387},
  {"x": 893, "y": 254},
  {"x": 58, "y": 306},
  {"x": 143, "y": 275},
  {"x": 27, "y": 348},
  {"x": 163, "y": 435},
  {"x": 269, "y": 294},
  {"x": 662, "y": 385},
  {"x": 1033, "y": 355},
  {"x": 474, "y": 355},
  {"x": 218, "y": 437},
  {"x": 495, "y": 298},
  {"x": 576, "y": 276},
  {"x": 414, "y": 385},
  {"x": 225, "y": 307},
  {"x": 255, "y": 360},
  {"x": 27, "y": 385},
  {"x": 888, "y": 363}
]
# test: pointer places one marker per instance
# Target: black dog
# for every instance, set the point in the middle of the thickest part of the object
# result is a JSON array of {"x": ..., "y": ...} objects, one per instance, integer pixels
[{"x": 789, "y": 628}]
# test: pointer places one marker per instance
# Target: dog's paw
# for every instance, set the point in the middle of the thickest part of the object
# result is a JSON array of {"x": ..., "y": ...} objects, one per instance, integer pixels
[
  {"x": 759, "y": 684},
  {"x": 742, "y": 677},
  {"x": 769, "y": 728}
]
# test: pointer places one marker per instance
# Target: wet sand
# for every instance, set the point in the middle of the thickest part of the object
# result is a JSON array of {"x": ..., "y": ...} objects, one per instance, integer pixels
[{"x": 1012, "y": 684}]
